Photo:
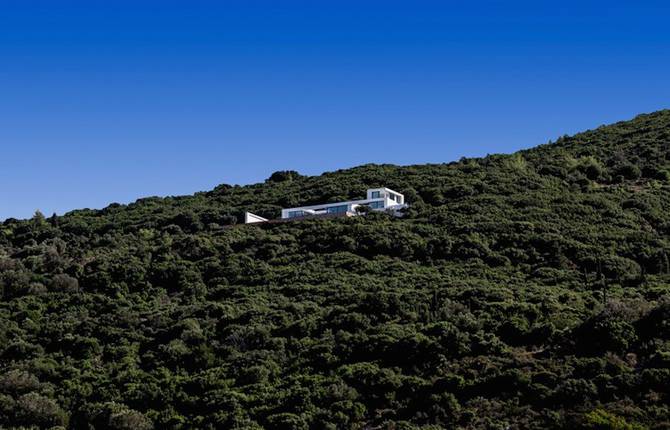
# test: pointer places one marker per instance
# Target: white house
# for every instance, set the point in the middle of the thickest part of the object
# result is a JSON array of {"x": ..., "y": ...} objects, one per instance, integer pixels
[{"x": 378, "y": 199}]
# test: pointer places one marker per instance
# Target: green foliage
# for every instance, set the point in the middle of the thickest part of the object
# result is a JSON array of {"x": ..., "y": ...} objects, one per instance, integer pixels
[
  {"x": 602, "y": 420},
  {"x": 519, "y": 291},
  {"x": 284, "y": 175}
]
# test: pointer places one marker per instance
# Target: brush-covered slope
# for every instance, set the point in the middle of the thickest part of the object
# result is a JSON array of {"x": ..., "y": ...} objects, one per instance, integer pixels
[{"x": 520, "y": 291}]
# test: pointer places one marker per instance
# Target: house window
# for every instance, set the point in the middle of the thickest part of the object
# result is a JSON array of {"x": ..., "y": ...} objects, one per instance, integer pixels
[
  {"x": 337, "y": 209},
  {"x": 376, "y": 205},
  {"x": 392, "y": 197},
  {"x": 375, "y": 195},
  {"x": 294, "y": 214}
]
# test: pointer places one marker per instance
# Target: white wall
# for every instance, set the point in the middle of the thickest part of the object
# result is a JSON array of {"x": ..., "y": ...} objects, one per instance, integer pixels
[{"x": 250, "y": 218}]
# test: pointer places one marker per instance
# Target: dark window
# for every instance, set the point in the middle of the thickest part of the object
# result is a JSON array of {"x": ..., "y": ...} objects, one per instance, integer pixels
[
  {"x": 375, "y": 195},
  {"x": 376, "y": 205},
  {"x": 294, "y": 214},
  {"x": 338, "y": 209}
]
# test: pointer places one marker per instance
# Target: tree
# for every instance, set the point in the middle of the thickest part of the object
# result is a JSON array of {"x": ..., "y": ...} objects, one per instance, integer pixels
[{"x": 284, "y": 175}]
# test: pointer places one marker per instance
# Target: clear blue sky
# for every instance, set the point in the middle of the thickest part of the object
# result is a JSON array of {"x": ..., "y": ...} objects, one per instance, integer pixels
[{"x": 109, "y": 101}]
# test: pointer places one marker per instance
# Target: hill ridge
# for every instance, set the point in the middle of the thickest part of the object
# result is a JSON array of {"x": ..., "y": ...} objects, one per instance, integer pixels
[{"x": 530, "y": 289}]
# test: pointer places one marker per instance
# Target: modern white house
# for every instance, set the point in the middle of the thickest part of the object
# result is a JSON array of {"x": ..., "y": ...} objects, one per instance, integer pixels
[{"x": 378, "y": 199}]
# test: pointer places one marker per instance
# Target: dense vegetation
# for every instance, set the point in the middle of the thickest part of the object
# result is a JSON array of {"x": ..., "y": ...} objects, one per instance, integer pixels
[{"x": 520, "y": 291}]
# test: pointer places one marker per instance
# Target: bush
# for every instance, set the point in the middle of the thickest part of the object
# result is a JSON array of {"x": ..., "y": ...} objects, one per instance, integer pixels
[
  {"x": 35, "y": 409},
  {"x": 605, "y": 332},
  {"x": 629, "y": 171},
  {"x": 64, "y": 283},
  {"x": 129, "y": 419},
  {"x": 600, "y": 419},
  {"x": 662, "y": 175},
  {"x": 18, "y": 382},
  {"x": 286, "y": 421}
]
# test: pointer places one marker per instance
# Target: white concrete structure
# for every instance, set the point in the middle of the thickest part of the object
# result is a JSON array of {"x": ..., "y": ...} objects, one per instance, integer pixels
[
  {"x": 250, "y": 218},
  {"x": 378, "y": 199}
]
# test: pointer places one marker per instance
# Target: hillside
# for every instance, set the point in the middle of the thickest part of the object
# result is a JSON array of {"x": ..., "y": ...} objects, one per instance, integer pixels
[{"x": 523, "y": 291}]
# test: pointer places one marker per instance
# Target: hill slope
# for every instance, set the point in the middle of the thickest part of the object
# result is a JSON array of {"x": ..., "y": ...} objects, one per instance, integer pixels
[{"x": 521, "y": 291}]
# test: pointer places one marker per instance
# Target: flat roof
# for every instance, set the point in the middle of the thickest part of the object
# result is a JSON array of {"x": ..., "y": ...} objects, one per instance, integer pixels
[
  {"x": 325, "y": 205},
  {"x": 386, "y": 189}
]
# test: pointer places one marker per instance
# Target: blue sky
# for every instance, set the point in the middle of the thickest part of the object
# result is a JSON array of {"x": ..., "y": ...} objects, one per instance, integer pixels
[{"x": 106, "y": 102}]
